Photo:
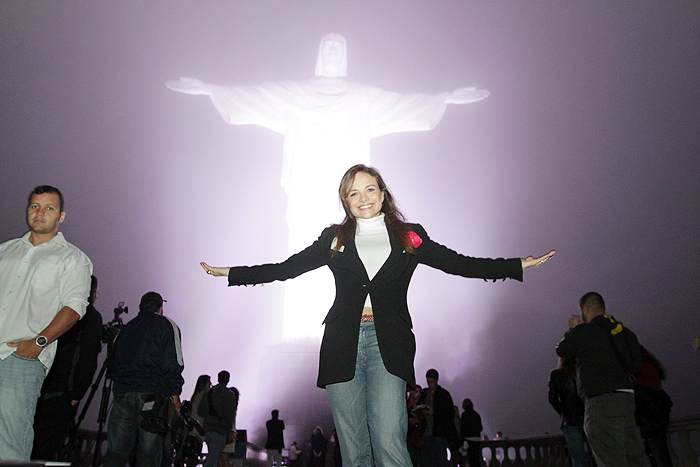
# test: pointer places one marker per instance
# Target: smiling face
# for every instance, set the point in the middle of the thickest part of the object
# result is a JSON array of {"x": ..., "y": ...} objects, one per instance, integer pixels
[
  {"x": 44, "y": 214},
  {"x": 364, "y": 199}
]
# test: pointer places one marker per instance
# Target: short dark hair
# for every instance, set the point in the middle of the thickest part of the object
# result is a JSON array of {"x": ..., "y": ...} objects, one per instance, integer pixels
[
  {"x": 41, "y": 189},
  {"x": 275, "y": 413},
  {"x": 223, "y": 377},
  {"x": 151, "y": 300},
  {"x": 592, "y": 300},
  {"x": 432, "y": 373}
]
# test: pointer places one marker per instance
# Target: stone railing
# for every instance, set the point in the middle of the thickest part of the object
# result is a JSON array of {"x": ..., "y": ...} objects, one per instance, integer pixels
[
  {"x": 550, "y": 450},
  {"x": 541, "y": 451},
  {"x": 684, "y": 440},
  {"x": 84, "y": 452}
]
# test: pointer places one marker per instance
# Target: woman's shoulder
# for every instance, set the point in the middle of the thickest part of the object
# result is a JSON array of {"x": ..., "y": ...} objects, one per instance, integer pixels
[
  {"x": 415, "y": 225},
  {"x": 331, "y": 229},
  {"x": 329, "y": 233},
  {"x": 417, "y": 229}
]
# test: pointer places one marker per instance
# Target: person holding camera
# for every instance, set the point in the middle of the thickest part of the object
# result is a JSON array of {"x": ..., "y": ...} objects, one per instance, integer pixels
[
  {"x": 146, "y": 369},
  {"x": 68, "y": 381}
]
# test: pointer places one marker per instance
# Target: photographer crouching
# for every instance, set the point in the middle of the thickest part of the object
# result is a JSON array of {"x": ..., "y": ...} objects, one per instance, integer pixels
[{"x": 146, "y": 368}]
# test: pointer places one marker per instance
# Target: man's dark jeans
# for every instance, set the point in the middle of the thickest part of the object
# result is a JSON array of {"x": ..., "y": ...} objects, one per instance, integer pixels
[{"x": 124, "y": 432}]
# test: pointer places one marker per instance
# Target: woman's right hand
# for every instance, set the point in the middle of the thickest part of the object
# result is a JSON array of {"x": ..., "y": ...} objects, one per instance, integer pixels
[{"x": 214, "y": 271}]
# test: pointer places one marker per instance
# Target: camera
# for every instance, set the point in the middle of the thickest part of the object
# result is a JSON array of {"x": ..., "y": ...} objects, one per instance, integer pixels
[
  {"x": 111, "y": 330},
  {"x": 181, "y": 443}
]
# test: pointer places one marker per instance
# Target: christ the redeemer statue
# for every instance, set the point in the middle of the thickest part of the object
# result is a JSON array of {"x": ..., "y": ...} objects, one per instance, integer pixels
[{"x": 327, "y": 123}]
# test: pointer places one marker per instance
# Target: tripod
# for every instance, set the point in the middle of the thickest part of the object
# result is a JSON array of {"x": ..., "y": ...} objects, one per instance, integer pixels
[
  {"x": 110, "y": 331},
  {"x": 71, "y": 449}
]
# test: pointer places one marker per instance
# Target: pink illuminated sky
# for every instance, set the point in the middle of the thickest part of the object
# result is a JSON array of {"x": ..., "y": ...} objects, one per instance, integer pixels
[{"x": 589, "y": 144}]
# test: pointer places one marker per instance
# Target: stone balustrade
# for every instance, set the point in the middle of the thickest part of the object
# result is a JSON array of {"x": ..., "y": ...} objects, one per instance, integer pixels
[{"x": 539, "y": 451}]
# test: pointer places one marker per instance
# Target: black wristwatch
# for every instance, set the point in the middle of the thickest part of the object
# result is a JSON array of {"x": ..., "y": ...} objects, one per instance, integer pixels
[{"x": 41, "y": 341}]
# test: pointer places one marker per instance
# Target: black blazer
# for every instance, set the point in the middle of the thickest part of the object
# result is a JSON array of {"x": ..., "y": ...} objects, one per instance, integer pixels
[{"x": 387, "y": 290}]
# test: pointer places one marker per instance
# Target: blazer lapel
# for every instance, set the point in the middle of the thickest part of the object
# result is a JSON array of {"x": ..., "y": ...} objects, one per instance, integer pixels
[
  {"x": 354, "y": 262},
  {"x": 396, "y": 252}
]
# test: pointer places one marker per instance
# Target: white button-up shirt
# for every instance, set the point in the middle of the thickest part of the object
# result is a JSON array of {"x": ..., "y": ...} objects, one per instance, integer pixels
[{"x": 36, "y": 282}]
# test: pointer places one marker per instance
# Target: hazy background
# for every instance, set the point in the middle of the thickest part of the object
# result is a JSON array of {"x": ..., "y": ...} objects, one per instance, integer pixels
[{"x": 589, "y": 144}]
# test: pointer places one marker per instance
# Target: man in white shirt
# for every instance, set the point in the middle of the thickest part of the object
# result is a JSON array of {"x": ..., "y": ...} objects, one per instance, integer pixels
[{"x": 44, "y": 285}]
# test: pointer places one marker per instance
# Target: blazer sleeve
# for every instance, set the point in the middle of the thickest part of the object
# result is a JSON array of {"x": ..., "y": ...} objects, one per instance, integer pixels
[
  {"x": 440, "y": 257},
  {"x": 313, "y": 257}
]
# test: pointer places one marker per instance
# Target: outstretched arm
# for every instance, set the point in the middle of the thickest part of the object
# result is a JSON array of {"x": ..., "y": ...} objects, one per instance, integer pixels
[
  {"x": 531, "y": 262},
  {"x": 189, "y": 86},
  {"x": 466, "y": 95},
  {"x": 312, "y": 257},
  {"x": 215, "y": 271}
]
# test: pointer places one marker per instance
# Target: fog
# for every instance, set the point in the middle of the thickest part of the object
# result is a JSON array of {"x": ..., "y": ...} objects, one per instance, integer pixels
[{"x": 588, "y": 144}]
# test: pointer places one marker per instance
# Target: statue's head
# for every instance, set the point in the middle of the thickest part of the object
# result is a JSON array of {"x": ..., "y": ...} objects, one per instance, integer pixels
[{"x": 332, "y": 59}]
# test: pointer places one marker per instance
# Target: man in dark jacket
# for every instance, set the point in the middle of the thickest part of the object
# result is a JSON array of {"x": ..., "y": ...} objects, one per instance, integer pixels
[
  {"x": 470, "y": 428},
  {"x": 146, "y": 365},
  {"x": 275, "y": 439},
  {"x": 218, "y": 409},
  {"x": 607, "y": 354},
  {"x": 440, "y": 428},
  {"x": 68, "y": 381}
]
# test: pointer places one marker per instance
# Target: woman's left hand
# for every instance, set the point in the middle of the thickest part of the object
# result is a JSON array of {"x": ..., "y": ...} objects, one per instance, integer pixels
[
  {"x": 212, "y": 271},
  {"x": 531, "y": 262}
]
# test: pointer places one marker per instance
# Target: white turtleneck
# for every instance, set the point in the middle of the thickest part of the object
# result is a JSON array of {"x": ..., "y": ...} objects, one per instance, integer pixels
[{"x": 373, "y": 247}]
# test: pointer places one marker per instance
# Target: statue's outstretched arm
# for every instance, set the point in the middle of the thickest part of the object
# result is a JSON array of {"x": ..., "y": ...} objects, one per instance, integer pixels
[
  {"x": 466, "y": 95},
  {"x": 189, "y": 86}
]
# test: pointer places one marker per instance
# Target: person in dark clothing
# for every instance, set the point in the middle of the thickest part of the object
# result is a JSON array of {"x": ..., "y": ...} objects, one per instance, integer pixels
[
  {"x": 416, "y": 424},
  {"x": 275, "y": 439},
  {"x": 319, "y": 448},
  {"x": 607, "y": 354},
  {"x": 563, "y": 396},
  {"x": 656, "y": 443},
  {"x": 69, "y": 379},
  {"x": 440, "y": 428},
  {"x": 337, "y": 456},
  {"x": 218, "y": 408},
  {"x": 146, "y": 362},
  {"x": 470, "y": 428},
  {"x": 372, "y": 254}
]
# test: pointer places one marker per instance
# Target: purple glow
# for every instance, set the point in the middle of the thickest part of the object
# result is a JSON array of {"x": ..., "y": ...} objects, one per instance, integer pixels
[{"x": 588, "y": 144}]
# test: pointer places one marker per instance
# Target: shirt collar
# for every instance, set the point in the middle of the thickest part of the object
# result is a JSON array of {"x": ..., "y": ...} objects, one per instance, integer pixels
[{"x": 58, "y": 239}]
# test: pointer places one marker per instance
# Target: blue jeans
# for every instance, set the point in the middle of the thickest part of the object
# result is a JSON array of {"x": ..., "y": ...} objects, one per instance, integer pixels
[
  {"x": 124, "y": 432},
  {"x": 274, "y": 456},
  {"x": 20, "y": 386},
  {"x": 575, "y": 440},
  {"x": 612, "y": 433},
  {"x": 215, "y": 445},
  {"x": 370, "y": 410}
]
